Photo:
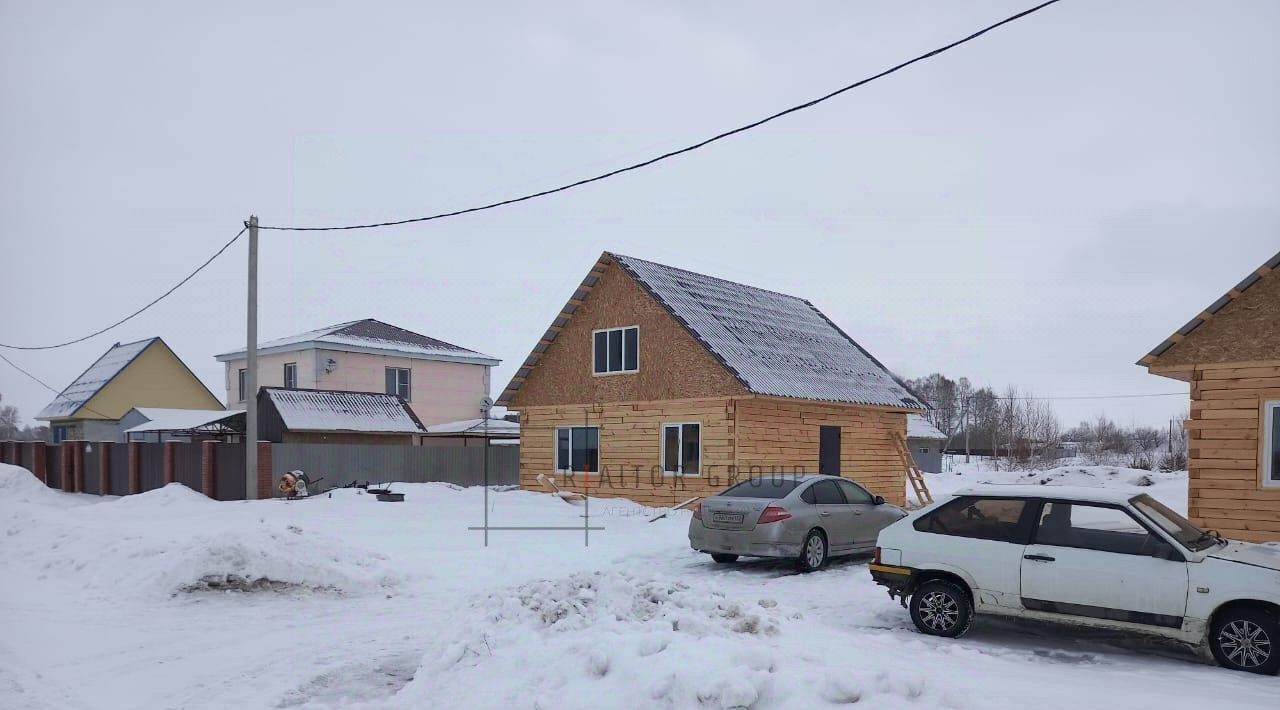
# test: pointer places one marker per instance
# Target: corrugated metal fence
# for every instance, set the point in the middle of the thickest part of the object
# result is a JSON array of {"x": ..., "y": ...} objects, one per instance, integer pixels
[
  {"x": 340, "y": 464},
  {"x": 229, "y": 467}
]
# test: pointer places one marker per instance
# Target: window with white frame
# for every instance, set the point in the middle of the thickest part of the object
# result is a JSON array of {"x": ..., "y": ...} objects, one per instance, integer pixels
[
  {"x": 291, "y": 375},
  {"x": 241, "y": 390},
  {"x": 1271, "y": 439},
  {"x": 398, "y": 382},
  {"x": 616, "y": 350},
  {"x": 682, "y": 448},
  {"x": 577, "y": 448},
  {"x": 924, "y": 449}
]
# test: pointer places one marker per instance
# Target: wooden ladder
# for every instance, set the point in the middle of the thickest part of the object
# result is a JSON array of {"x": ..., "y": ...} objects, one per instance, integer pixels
[{"x": 914, "y": 475}]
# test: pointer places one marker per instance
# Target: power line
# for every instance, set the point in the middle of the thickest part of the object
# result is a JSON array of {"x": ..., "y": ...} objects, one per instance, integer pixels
[
  {"x": 680, "y": 151},
  {"x": 133, "y": 315},
  {"x": 42, "y": 383}
]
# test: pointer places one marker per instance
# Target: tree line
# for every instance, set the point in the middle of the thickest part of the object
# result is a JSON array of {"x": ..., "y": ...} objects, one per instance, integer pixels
[
  {"x": 1018, "y": 430},
  {"x": 11, "y": 428}
]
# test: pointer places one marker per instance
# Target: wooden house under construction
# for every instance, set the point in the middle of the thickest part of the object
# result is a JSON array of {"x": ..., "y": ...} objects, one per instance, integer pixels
[
  {"x": 1230, "y": 353},
  {"x": 660, "y": 384}
]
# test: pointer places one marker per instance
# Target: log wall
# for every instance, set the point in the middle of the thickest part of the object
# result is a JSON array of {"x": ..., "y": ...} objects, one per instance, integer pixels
[
  {"x": 740, "y": 437},
  {"x": 1226, "y": 457}
]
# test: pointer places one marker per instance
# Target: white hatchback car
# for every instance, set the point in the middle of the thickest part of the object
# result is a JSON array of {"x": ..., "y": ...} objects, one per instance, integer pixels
[{"x": 1085, "y": 556}]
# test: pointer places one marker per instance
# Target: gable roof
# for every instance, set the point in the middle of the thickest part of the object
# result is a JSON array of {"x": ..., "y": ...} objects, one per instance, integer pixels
[
  {"x": 774, "y": 344},
  {"x": 333, "y": 410},
  {"x": 92, "y": 380},
  {"x": 1270, "y": 267},
  {"x": 164, "y": 419},
  {"x": 371, "y": 336}
]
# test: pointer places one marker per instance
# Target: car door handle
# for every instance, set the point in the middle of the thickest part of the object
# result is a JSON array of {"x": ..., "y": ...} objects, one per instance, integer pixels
[
  {"x": 824, "y": 513},
  {"x": 1039, "y": 558}
]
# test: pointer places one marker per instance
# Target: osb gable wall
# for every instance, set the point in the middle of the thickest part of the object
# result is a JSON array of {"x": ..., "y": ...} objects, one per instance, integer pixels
[
  {"x": 630, "y": 449},
  {"x": 1225, "y": 491},
  {"x": 779, "y": 434},
  {"x": 672, "y": 364},
  {"x": 1246, "y": 329}
]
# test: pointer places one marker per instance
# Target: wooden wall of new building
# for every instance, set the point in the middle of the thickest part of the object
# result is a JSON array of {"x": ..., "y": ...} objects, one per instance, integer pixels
[
  {"x": 778, "y": 433},
  {"x": 740, "y": 437},
  {"x": 1225, "y": 465}
]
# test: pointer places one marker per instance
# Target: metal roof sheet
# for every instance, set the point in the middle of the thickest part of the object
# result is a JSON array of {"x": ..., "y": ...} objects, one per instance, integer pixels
[
  {"x": 371, "y": 333},
  {"x": 775, "y": 344},
  {"x": 89, "y": 383},
  {"x": 329, "y": 410}
]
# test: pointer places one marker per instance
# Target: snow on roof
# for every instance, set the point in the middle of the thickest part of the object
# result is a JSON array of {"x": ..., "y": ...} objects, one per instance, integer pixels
[
  {"x": 476, "y": 427},
  {"x": 329, "y": 410},
  {"x": 919, "y": 428},
  {"x": 159, "y": 419},
  {"x": 94, "y": 379},
  {"x": 1081, "y": 493},
  {"x": 774, "y": 343},
  {"x": 370, "y": 334}
]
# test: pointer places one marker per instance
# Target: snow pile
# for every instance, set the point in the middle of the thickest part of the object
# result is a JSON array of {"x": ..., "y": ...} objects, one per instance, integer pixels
[
  {"x": 18, "y": 485},
  {"x": 1095, "y": 477},
  {"x": 608, "y": 639}
]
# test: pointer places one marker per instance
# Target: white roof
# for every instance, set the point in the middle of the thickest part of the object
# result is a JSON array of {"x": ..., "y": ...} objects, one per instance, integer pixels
[
  {"x": 919, "y": 428},
  {"x": 371, "y": 336},
  {"x": 1081, "y": 493},
  {"x": 94, "y": 379},
  {"x": 327, "y": 410},
  {"x": 773, "y": 343},
  {"x": 159, "y": 419},
  {"x": 475, "y": 427}
]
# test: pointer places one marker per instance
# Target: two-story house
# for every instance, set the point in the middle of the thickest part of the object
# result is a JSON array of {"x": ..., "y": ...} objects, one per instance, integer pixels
[
  {"x": 660, "y": 384},
  {"x": 441, "y": 382}
]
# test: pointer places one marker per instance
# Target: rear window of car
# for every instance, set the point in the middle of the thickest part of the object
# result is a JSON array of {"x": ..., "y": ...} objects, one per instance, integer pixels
[
  {"x": 980, "y": 518},
  {"x": 763, "y": 487}
]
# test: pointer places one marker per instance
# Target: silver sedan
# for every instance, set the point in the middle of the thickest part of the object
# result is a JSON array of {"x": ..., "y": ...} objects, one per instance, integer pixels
[{"x": 803, "y": 517}]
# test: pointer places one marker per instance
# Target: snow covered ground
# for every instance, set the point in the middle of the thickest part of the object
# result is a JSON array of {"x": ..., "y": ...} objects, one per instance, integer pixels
[{"x": 152, "y": 601}]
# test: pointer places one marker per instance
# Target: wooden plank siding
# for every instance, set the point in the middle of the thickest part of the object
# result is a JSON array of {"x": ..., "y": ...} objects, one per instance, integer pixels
[
  {"x": 740, "y": 437},
  {"x": 1226, "y": 457}
]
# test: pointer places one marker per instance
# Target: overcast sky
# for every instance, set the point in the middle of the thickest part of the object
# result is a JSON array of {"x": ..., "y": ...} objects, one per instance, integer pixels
[{"x": 1040, "y": 207}]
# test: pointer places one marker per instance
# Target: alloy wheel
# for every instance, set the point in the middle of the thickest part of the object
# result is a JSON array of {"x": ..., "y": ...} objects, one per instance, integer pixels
[
  {"x": 939, "y": 611},
  {"x": 1245, "y": 644}
]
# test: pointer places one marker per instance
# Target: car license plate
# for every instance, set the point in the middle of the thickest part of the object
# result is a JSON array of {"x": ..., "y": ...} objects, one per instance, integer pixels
[{"x": 726, "y": 517}]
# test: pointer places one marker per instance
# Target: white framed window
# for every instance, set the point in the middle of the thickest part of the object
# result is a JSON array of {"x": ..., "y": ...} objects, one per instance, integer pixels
[
  {"x": 398, "y": 382},
  {"x": 1271, "y": 443},
  {"x": 577, "y": 448},
  {"x": 615, "y": 350},
  {"x": 241, "y": 387},
  {"x": 682, "y": 449},
  {"x": 291, "y": 375},
  {"x": 924, "y": 449}
]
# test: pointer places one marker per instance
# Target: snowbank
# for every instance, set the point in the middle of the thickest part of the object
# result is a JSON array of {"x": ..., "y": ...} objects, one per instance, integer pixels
[
  {"x": 18, "y": 485},
  {"x": 1168, "y": 487}
]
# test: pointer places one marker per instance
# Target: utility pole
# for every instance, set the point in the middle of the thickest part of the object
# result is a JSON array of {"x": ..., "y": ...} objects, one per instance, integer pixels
[{"x": 251, "y": 371}]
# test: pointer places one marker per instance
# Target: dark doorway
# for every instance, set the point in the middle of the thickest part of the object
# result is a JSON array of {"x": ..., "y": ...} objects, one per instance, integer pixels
[{"x": 829, "y": 450}]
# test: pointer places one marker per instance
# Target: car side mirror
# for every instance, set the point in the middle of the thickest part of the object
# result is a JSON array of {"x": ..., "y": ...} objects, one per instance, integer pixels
[{"x": 878, "y": 500}]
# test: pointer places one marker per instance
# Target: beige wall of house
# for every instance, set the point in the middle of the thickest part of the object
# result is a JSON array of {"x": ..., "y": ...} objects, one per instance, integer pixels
[
  {"x": 438, "y": 391},
  {"x": 156, "y": 378}
]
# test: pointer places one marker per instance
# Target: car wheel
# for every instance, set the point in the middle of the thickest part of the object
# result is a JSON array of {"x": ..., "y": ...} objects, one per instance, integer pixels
[
  {"x": 813, "y": 554},
  {"x": 941, "y": 608},
  {"x": 1246, "y": 640},
  {"x": 724, "y": 558}
]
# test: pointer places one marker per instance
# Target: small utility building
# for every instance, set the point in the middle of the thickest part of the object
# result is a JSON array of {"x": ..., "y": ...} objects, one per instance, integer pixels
[
  {"x": 1230, "y": 353},
  {"x": 660, "y": 384}
]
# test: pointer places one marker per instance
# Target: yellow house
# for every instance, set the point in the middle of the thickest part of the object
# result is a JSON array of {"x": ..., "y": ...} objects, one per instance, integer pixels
[{"x": 145, "y": 373}]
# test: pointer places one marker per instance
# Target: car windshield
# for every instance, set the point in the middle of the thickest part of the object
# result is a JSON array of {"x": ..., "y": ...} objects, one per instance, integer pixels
[
  {"x": 763, "y": 487},
  {"x": 1182, "y": 530}
]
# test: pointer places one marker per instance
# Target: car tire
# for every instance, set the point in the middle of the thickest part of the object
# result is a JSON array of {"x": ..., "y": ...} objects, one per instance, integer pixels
[
  {"x": 941, "y": 608},
  {"x": 813, "y": 553},
  {"x": 1246, "y": 639},
  {"x": 724, "y": 558}
]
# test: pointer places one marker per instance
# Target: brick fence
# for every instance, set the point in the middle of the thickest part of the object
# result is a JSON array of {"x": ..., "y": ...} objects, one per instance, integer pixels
[
  {"x": 217, "y": 469},
  {"x": 125, "y": 472}
]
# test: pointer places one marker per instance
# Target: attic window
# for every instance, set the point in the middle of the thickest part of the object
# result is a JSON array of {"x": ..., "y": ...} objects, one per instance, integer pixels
[{"x": 616, "y": 350}]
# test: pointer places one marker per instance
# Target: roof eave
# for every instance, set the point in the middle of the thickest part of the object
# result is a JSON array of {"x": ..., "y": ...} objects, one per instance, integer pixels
[{"x": 474, "y": 359}]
